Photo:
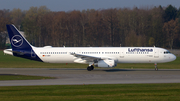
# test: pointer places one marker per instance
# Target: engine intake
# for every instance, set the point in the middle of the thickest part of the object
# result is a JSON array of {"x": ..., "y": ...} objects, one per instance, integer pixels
[{"x": 105, "y": 63}]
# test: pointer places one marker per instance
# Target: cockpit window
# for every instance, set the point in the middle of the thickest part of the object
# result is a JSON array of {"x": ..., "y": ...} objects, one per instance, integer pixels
[{"x": 167, "y": 52}]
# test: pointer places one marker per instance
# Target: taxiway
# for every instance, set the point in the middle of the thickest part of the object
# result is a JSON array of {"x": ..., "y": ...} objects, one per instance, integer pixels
[{"x": 97, "y": 76}]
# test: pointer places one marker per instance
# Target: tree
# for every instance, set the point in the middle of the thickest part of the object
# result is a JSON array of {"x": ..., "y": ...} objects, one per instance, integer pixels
[
  {"x": 170, "y": 13},
  {"x": 84, "y": 24},
  {"x": 107, "y": 27},
  {"x": 156, "y": 26},
  {"x": 171, "y": 29},
  {"x": 110, "y": 19},
  {"x": 3, "y": 21},
  {"x": 32, "y": 24},
  {"x": 17, "y": 17},
  {"x": 151, "y": 41},
  {"x": 131, "y": 39}
]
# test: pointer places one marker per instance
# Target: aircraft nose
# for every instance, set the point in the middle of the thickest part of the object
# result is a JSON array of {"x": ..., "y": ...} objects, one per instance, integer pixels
[{"x": 173, "y": 57}]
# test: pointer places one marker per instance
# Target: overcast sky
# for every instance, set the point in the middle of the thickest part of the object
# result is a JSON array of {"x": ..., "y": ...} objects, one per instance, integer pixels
[{"x": 69, "y": 5}]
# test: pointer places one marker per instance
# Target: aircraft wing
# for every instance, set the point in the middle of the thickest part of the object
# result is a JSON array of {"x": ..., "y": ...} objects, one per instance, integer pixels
[{"x": 89, "y": 58}]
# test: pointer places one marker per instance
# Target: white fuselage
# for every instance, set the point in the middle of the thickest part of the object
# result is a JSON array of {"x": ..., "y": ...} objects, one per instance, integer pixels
[{"x": 119, "y": 54}]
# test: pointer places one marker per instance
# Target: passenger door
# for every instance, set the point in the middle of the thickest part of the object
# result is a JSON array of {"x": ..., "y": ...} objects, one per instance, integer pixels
[{"x": 156, "y": 53}]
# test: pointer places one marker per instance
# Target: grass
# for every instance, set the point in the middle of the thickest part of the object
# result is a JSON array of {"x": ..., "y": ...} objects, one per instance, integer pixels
[
  {"x": 7, "y": 61},
  {"x": 22, "y": 77},
  {"x": 115, "y": 92}
]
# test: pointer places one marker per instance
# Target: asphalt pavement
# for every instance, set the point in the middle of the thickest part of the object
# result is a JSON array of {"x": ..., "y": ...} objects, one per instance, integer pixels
[{"x": 98, "y": 76}]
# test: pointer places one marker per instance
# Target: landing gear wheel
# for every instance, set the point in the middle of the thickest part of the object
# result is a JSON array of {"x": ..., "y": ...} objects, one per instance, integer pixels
[
  {"x": 89, "y": 68},
  {"x": 92, "y": 67}
]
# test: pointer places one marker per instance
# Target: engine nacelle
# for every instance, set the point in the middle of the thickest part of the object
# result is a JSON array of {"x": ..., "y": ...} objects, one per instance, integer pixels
[{"x": 105, "y": 63}]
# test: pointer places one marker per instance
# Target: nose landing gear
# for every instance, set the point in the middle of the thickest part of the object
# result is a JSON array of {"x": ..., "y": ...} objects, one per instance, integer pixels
[{"x": 156, "y": 69}]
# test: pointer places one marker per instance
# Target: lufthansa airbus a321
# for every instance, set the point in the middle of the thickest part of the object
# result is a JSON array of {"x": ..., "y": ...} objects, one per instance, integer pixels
[{"x": 94, "y": 56}]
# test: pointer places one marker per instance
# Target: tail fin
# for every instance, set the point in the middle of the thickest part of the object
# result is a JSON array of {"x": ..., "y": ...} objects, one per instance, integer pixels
[
  {"x": 20, "y": 46},
  {"x": 17, "y": 40}
]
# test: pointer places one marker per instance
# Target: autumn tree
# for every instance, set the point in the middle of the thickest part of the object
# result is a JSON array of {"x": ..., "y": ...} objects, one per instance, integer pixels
[
  {"x": 171, "y": 29},
  {"x": 17, "y": 17},
  {"x": 3, "y": 21},
  {"x": 156, "y": 26},
  {"x": 32, "y": 24},
  {"x": 144, "y": 26},
  {"x": 84, "y": 25},
  {"x": 110, "y": 19}
]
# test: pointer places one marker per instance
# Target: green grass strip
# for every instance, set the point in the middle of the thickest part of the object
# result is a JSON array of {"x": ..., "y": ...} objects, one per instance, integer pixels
[
  {"x": 114, "y": 92},
  {"x": 22, "y": 77}
]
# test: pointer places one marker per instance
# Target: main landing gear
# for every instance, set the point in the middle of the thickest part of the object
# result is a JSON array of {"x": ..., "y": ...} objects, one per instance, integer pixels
[
  {"x": 156, "y": 69},
  {"x": 91, "y": 67}
]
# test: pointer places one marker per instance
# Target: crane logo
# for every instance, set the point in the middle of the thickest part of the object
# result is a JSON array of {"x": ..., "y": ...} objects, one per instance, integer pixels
[{"x": 17, "y": 41}]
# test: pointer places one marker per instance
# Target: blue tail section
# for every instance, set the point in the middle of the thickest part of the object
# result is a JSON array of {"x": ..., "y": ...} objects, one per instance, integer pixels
[
  {"x": 20, "y": 46},
  {"x": 16, "y": 39}
]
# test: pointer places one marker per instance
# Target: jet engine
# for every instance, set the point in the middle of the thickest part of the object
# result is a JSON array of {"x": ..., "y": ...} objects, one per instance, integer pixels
[{"x": 105, "y": 63}]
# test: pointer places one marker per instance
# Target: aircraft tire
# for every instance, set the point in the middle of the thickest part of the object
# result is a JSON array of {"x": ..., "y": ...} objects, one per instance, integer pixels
[
  {"x": 89, "y": 68},
  {"x": 92, "y": 67}
]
